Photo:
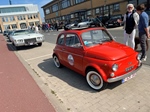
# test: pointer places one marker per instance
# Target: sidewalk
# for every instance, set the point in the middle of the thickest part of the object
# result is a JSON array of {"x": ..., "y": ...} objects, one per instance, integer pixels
[{"x": 18, "y": 90}]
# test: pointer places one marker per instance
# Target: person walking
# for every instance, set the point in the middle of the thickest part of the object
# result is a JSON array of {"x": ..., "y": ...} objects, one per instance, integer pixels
[
  {"x": 36, "y": 29},
  {"x": 130, "y": 21},
  {"x": 143, "y": 29}
]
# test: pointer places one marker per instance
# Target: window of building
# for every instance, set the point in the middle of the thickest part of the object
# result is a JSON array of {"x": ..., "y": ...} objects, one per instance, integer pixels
[
  {"x": 14, "y": 26},
  {"x": 7, "y": 27},
  {"x": 79, "y": 1},
  {"x": 47, "y": 11},
  {"x": 6, "y": 19},
  {"x": 76, "y": 15},
  {"x": 11, "y": 18},
  {"x": 97, "y": 10},
  {"x": 55, "y": 8},
  {"x": 106, "y": 11},
  {"x": 37, "y": 23},
  {"x": 65, "y": 4},
  {"x": 29, "y": 16},
  {"x": 72, "y": 15},
  {"x": 12, "y": 9},
  {"x": 101, "y": 10},
  {"x": 31, "y": 23},
  {"x": 89, "y": 12},
  {"x": 3, "y": 19},
  {"x": 116, "y": 7}
]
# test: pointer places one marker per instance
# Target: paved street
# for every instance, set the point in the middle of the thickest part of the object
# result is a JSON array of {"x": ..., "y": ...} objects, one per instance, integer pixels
[{"x": 70, "y": 90}]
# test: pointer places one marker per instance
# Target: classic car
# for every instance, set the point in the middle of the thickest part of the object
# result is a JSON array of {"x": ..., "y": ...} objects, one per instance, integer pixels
[
  {"x": 113, "y": 21},
  {"x": 26, "y": 38},
  {"x": 93, "y": 53},
  {"x": 5, "y": 33}
]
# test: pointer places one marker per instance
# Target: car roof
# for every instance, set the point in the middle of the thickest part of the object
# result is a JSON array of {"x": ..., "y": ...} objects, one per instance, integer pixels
[{"x": 81, "y": 30}]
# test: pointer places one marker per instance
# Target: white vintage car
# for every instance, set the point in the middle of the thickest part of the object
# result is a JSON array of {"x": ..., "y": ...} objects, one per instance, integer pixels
[{"x": 26, "y": 38}]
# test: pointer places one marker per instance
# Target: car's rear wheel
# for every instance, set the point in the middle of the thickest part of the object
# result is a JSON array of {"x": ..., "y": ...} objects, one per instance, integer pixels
[
  {"x": 56, "y": 61},
  {"x": 95, "y": 80}
]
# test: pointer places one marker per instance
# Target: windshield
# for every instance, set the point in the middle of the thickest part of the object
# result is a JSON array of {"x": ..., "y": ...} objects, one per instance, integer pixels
[
  {"x": 23, "y": 32},
  {"x": 94, "y": 37}
]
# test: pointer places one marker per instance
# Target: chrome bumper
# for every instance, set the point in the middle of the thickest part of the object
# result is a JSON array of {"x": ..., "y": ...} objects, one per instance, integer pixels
[{"x": 124, "y": 76}]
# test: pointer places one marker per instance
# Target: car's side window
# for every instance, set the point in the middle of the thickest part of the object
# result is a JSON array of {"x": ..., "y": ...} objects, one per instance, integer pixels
[
  {"x": 60, "y": 40},
  {"x": 72, "y": 40}
]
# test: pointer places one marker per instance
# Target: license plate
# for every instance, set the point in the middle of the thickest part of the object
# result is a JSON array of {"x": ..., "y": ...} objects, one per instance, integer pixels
[
  {"x": 31, "y": 43},
  {"x": 110, "y": 24},
  {"x": 128, "y": 78}
]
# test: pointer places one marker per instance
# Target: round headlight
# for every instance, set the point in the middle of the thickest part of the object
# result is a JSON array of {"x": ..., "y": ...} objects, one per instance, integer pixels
[
  {"x": 138, "y": 56},
  {"x": 115, "y": 67}
]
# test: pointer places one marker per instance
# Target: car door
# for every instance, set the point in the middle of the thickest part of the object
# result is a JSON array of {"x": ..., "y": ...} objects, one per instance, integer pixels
[
  {"x": 59, "y": 49},
  {"x": 73, "y": 52}
]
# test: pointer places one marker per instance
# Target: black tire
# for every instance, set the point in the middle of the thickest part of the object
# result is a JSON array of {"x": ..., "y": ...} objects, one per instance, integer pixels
[
  {"x": 95, "y": 80},
  {"x": 40, "y": 44},
  {"x": 56, "y": 61},
  {"x": 17, "y": 47}
]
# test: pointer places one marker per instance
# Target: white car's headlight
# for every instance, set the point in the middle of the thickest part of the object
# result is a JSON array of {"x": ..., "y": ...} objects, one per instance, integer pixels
[
  {"x": 39, "y": 38},
  {"x": 115, "y": 67},
  {"x": 19, "y": 41}
]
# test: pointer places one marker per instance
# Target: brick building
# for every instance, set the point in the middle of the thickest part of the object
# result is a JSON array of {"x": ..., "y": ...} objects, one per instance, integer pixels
[
  {"x": 18, "y": 16},
  {"x": 61, "y": 10}
]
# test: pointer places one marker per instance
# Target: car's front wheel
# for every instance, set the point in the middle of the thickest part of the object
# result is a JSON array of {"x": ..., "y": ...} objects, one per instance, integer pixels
[
  {"x": 56, "y": 61},
  {"x": 39, "y": 44},
  {"x": 95, "y": 80}
]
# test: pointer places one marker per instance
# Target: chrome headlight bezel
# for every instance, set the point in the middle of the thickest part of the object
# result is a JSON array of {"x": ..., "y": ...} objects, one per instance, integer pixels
[
  {"x": 138, "y": 56},
  {"x": 19, "y": 41},
  {"x": 115, "y": 67}
]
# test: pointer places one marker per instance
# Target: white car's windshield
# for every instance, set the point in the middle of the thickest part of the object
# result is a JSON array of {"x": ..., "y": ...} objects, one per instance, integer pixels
[
  {"x": 23, "y": 32},
  {"x": 93, "y": 37}
]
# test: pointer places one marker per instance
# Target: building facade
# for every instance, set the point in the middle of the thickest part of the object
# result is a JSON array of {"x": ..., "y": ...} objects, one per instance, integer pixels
[
  {"x": 62, "y": 10},
  {"x": 19, "y": 16}
]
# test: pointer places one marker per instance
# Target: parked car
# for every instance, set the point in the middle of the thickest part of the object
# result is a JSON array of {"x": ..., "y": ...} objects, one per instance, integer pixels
[
  {"x": 26, "y": 38},
  {"x": 71, "y": 25},
  {"x": 113, "y": 21},
  {"x": 148, "y": 12},
  {"x": 104, "y": 19},
  {"x": 93, "y": 53},
  {"x": 84, "y": 23},
  {"x": 5, "y": 33},
  {"x": 9, "y": 34}
]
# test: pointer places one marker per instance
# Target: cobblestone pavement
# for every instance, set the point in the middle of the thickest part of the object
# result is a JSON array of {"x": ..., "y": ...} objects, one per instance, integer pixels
[{"x": 72, "y": 92}]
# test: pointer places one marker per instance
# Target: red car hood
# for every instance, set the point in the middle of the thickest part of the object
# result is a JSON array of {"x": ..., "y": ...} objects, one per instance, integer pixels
[{"x": 109, "y": 51}]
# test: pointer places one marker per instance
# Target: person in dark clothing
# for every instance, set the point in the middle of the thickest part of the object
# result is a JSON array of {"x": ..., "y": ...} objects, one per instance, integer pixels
[
  {"x": 143, "y": 29},
  {"x": 130, "y": 21}
]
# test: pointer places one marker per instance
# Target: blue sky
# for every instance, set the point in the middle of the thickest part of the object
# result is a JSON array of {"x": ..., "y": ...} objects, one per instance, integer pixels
[{"x": 37, "y": 2}]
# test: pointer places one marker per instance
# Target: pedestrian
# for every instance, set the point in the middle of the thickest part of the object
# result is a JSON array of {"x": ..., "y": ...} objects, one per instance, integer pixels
[
  {"x": 36, "y": 29},
  {"x": 143, "y": 29},
  {"x": 130, "y": 21}
]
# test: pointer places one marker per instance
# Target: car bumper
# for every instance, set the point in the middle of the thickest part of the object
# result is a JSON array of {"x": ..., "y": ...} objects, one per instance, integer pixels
[
  {"x": 28, "y": 44},
  {"x": 124, "y": 76}
]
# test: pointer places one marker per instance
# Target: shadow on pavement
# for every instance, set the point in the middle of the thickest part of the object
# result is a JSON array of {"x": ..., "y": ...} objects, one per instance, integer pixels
[
  {"x": 12, "y": 48},
  {"x": 70, "y": 77}
]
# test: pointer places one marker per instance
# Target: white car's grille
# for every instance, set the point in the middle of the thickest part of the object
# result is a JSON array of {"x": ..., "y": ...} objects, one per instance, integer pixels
[{"x": 27, "y": 41}]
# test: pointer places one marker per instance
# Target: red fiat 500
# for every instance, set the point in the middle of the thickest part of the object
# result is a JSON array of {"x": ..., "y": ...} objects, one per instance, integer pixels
[{"x": 93, "y": 53}]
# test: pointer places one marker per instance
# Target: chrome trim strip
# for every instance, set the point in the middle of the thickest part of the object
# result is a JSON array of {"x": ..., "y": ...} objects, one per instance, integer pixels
[{"x": 124, "y": 76}]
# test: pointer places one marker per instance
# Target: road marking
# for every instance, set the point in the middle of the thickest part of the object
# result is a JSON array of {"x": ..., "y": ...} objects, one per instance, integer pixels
[{"x": 38, "y": 57}]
